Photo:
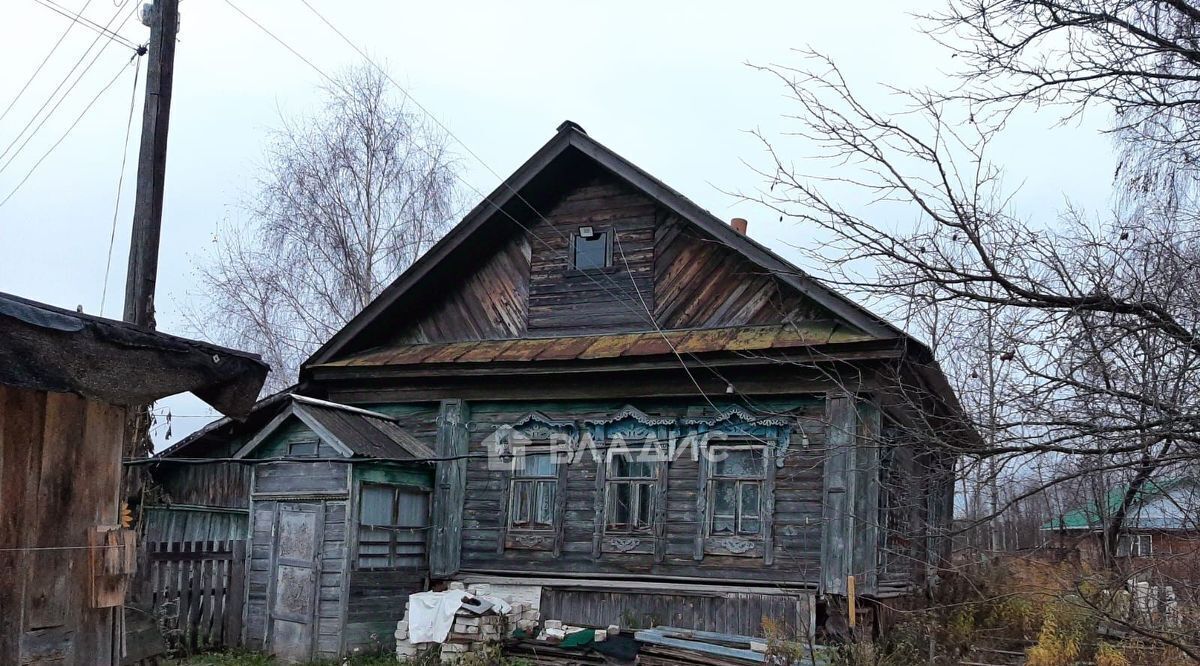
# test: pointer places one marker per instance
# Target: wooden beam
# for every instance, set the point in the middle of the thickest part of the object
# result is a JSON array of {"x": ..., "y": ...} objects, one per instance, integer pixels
[{"x": 449, "y": 488}]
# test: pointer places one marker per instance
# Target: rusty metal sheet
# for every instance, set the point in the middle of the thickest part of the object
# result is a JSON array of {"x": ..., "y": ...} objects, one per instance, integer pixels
[
  {"x": 485, "y": 351},
  {"x": 450, "y": 351},
  {"x": 759, "y": 337},
  {"x": 650, "y": 344},
  {"x": 409, "y": 354},
  {"x": 558, "y": 349},
  {"x": 523, "y": 350},
  {"x": 704, "y": 341},
  {"x": 803, "y": 334},
  {"x": 608, "y": 346}
]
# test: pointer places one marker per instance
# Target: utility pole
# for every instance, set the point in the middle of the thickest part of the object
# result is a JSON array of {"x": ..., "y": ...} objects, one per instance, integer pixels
[{"x": 163, "y": 19}]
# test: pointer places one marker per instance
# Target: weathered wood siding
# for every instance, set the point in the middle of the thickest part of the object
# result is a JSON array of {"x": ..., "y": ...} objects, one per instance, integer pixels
[
  {"x": 563, "y": 301},
  {"x": 701, "y": 283},
  {"x": 489, "y": 303},
  {"x": 173, "y": 524},
  {"x": 217, "y": 484},
  {"x": 796, "y": 547},
  {"x": 60, "y": 469},
  {"x": 660, "y": 265}
]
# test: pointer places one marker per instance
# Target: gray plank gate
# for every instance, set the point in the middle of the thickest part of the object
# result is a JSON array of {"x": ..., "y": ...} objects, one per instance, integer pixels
[{"x": 197, "y": 590}]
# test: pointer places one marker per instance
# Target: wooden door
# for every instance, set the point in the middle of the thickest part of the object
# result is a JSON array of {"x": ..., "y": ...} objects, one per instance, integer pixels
[{"x": 295, "y": 569}]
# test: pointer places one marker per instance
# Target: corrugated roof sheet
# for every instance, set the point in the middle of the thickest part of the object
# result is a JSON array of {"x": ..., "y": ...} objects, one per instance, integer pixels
[
  {"x": 367, "y": 434},
  {"x": 585, "y": 347}
]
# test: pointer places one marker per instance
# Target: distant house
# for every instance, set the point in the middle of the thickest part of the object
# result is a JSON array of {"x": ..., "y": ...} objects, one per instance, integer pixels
[
  {"x": 67, "y": 381},
  {"x": 1160, "y": 534},
  {"x": 634, "y": 413}
]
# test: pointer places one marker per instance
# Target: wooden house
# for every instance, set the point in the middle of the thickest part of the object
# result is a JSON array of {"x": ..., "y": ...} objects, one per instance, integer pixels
[
  {"x": 67, "y": 381},
  {"x": 642, "y": 416}
]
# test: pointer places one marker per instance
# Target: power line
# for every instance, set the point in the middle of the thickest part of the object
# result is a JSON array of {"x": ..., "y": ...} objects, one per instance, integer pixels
[
  {"x": 620, "y": 297},
  {"x": 57, "y": 89},
  {"x": 42, "y": 64},
  {"x": 120, "y": 183},
  {"x": 87, "y": 23},
  {"x": 64, "y": 134}
]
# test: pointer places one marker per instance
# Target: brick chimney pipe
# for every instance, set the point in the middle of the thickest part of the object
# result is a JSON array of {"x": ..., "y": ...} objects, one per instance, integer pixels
[{"x": 739, "y": 225}]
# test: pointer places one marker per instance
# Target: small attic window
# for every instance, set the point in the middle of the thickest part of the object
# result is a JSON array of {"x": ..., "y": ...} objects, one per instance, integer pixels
[
  {"x": 591, "y": 248},
  {"x": 303, "y": 449}
]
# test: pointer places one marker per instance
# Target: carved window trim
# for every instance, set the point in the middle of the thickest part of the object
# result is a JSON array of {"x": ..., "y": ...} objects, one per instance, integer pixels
[
  {"x": 537, "y": 434},
  {"x": 635, "y": 431}
]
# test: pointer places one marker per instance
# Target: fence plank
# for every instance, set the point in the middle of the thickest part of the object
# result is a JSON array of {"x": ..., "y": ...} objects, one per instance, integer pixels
[
  {"x": 235, "y": 594},
  {"x": 197, "y": 589}
]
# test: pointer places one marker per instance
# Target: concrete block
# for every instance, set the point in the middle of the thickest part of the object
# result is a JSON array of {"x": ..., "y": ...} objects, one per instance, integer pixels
[
  {"x": 601, "y": 635},
  {"x": 613, "y": 630},
  {"x": 457, "y": 585},
  {"x": 554, "y": 624}
]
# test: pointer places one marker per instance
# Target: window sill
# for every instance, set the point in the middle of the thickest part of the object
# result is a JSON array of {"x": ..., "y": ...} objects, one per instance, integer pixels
[{"x": 578, "y": 272}]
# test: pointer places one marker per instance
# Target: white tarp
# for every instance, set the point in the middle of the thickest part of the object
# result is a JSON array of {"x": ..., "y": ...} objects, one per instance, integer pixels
[{"x": 431, "y": 615}]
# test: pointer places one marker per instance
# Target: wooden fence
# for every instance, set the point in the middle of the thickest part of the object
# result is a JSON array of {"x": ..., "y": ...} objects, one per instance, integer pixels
[{"x": 196, "y": 589}]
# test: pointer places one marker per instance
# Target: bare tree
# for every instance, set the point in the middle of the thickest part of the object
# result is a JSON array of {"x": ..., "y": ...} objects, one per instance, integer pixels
[
  {"x": 348, "y": 199},
  {"x": 1074, "y": 340}
]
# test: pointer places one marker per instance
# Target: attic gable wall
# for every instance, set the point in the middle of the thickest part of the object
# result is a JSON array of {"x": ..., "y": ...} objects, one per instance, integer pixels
[
  {"x": 661, "y": 264},
  {"x": 563, "y": 301}
]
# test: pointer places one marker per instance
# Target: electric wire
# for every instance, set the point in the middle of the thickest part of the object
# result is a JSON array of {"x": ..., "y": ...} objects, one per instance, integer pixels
[
  {"x": 87, "y": 23},
  {"x": 622, "y": 297},
  {"x": 54, "y": 94},
  {"x": 68, "y": 131},
  {"x": 112, "y": 237},
  {"x": 42, "y": 64}
]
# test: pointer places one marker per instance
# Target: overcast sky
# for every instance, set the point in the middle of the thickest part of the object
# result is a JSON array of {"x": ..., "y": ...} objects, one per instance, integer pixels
[{"x": 663, "y": 83}]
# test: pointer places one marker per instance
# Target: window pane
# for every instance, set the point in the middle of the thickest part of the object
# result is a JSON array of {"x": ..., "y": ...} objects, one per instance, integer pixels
[
  {"x": 538, "y": 464},
  {"x": 591, "y": 252},
  {"x": 722, "y": 524},
  {"x": 545, "y": 503},
  {"x": 724, "y": 498},
  {"x": 412, "y": 508},
  {"x": 749, "y": 525},
  {"x": 628, "y": 466},
  {"x": 520, "y": 502},
  {"x": 376, "y": 506},
  {"x": 619, "y": 496},
  {"x": 308, "y": 448},
  {"x": 645, "y": 505},
  {"x": 750, "y": 497},
  {"x": 739, "y": 462}
]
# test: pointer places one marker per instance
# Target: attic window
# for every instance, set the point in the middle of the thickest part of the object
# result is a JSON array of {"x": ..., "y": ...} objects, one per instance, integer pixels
[
  {"x": 303, "y": 449},
  {"x": 591, "y": 248}
]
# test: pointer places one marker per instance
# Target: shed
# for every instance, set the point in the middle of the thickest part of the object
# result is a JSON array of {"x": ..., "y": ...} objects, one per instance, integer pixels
[
  {"x": 324, "y": 473},
  {"x": 67, "y": 381}
]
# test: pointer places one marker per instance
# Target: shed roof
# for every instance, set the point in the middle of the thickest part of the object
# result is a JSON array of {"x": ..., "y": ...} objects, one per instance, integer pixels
[
  {"x": 583, "y": 347},
  {"x": 46, "y": 348},
  {"x": 1167, "y": 504},
  {"x": 353, "y": 431}
]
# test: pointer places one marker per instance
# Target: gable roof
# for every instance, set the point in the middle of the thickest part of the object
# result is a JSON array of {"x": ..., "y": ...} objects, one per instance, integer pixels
[
  {"x": 352, "y": 431},
  {"x": 569, "y": 142}
]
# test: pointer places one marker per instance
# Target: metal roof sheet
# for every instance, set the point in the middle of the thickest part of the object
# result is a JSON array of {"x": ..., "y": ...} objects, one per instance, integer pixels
[{"x": 586, "y": 347}]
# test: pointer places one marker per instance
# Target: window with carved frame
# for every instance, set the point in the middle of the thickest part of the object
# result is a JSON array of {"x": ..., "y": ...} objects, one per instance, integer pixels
[
  {"x": 532, "y": 492},
  {"x": 735, "y": 490},
  {"x": 630, "y": 494}
]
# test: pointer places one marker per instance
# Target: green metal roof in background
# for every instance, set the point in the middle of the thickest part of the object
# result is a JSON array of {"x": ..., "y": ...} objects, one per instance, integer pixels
[{"x": 1092, "y": 516}]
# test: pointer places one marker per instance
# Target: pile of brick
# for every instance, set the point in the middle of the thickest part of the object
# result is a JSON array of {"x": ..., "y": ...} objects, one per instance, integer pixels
[{"x": 472, "y": 631}]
